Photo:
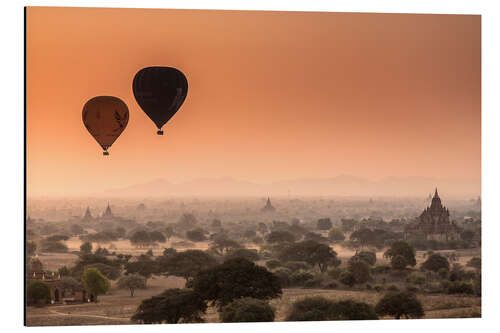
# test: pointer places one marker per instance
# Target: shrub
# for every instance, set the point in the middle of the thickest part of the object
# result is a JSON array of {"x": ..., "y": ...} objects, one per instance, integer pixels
[
  {"x": 416, "y": 278},
  {"x": 412, "y": 289},
  {"x": 401, "y": 304},
  {"x": 335, "y": 272},
  {"x": 251, "y": 255},
  {"x": 300, "y": 277},
  {"x": 347, "y": 278},
  {"x": 435, "y": 262},
  {"x": 475, "y": 263},
  {"x": 378, "y": 288},
  {"x": 399, "y": 262},
  {"x": 367, "y": 256},
  {"x": 273, "y": 263},
  {"x": 283, "y": 275},
  {"x": 336, "y": 235},
  {"x": 381, "y": 269},
  {"x": 477, "y": 285},
  {"x": 330, "y": 285},
  {"x": 247, "y": 310},
  {"x": 392, "y": 287},
  {"x": 319, "y": 308},
  {"x": 38, "y": 293},
  {"x": 460, "y": 288},
  {"x": 360, "y": 270},
  {"x": 296, "y": 265},
  {"x": 314, "y": 282}
]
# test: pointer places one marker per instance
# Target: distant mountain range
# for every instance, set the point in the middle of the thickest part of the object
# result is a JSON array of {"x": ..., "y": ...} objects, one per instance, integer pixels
[{"x": 343, "y": 185}]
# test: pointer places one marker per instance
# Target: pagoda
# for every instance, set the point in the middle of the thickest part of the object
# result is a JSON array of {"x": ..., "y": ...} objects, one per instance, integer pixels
[
  {"x": 268, "y": 207},
  {"x": 108, "y": 213},
  {"x": 434, "y": 222},
  {"x": 88, "y": 215}
]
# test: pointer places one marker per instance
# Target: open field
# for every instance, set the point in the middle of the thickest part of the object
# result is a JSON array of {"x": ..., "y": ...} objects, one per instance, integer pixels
[
  {"x": 54, "y": 261},
  {"x": 117, "y": 306}
]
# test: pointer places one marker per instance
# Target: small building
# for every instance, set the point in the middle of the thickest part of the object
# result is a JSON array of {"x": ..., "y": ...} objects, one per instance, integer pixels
[{"x": 61, "y": 290}]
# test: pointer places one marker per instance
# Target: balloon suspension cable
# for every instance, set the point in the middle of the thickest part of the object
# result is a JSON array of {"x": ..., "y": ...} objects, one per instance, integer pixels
[{"x": 160, "y": 132}]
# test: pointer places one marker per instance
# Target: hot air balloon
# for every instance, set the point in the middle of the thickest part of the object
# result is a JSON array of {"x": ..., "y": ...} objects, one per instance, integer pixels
[
  {"x": 105, "y": 117},
  {"x": 160, "y": 92}
]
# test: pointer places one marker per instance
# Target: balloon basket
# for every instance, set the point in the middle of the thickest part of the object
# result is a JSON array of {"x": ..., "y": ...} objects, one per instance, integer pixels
[
  {"x": 160, "y": 132},
  {"x": 105, "y": 153}
]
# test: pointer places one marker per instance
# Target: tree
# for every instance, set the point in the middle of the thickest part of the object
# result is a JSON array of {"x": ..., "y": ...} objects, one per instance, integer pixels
[
  {"x": 236, "y": 278},
  {"x": 76, "y": 229},
  {"x": 38, "y": 293},
  {"x": 247, "y": 310},
  {"x": 132, "y": 282},
  {"x": 359, "y": 269},
  {"x": 280, "y": 236},
  {"x": 141, "y": 238},
  {"x": 311, "y": 252},
  {"x": 251, "y": 255},
  {"x": 399, "y": 262},
  {"x": 369, "y": 257},
  {"x": 223, "y": 245},
  {"x": 347, "y": 278},
  {"x": 364, "y": 236},
  {"x": 144, "y": 265},
  {"x": 169, "y": 232},
  {"x": 436, "y": 262},
  {"x": 53, "y": 247},
  {"x": 110, "y": 272},
  {"x": 401, "y": 304},
  {"x": 336, "y": 235},
  {"x": 467, "y": 235},
  {"x": 172, "y": 306},
  {"x": 86, "y": 248},
  {"x": 273, "y": 263},
  {"x": 57, "y": 238},
  {"x": 30, "y": 248},
  {"x": 475, "y": 262},
  {"x": 318, "y": 308},
  {"x": 404, "y": 249},
  {"x": 316, "y": 237},
  {"x": 157, "y": 236},
  {"x": 324, "y": 224},
  {"x": 216, "y": 223},
  {"x": 121, "y": 232},
  {"x": 196, "y": 235},
  {"x": 186, "y": 264},
  {"x": 94, "y": 282},
  {"x": 262, "y": 228}
]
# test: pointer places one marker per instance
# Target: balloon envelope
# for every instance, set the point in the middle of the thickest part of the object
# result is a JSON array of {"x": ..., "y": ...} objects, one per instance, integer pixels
[
  {"x": 105, "y": 117},
  {"x": 160, "y": 92}
]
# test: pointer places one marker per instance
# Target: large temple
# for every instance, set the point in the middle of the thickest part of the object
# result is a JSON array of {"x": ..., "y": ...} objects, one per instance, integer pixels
[{"x": 434, "y": 223}]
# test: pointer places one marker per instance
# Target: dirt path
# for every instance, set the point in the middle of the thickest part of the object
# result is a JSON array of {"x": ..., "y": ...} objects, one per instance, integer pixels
[{"x": 89, "y": 316}]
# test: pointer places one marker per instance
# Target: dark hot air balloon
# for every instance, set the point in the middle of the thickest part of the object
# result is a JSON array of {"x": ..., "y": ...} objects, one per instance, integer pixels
[
  {"x": 105, "y": 117},
  {"x": 160, "y": 92}
]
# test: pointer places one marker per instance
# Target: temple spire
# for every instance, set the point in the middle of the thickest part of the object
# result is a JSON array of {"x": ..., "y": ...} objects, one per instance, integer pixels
[{"x": 436, "y": 193}]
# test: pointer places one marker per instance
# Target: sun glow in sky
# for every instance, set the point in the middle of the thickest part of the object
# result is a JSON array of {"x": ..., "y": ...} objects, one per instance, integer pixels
[{"x": 272, "y": 95}]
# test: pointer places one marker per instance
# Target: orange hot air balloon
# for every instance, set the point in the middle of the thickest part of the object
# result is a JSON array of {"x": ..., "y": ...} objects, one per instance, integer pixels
[{"x": 105, "y": 117}]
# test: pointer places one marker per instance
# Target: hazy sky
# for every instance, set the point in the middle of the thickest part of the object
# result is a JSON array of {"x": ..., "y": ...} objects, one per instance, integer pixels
[{"x": 272, "y": 96}]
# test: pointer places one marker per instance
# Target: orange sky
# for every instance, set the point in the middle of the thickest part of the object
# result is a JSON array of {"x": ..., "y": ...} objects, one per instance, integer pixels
[{"x": 272, "y": 96}]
